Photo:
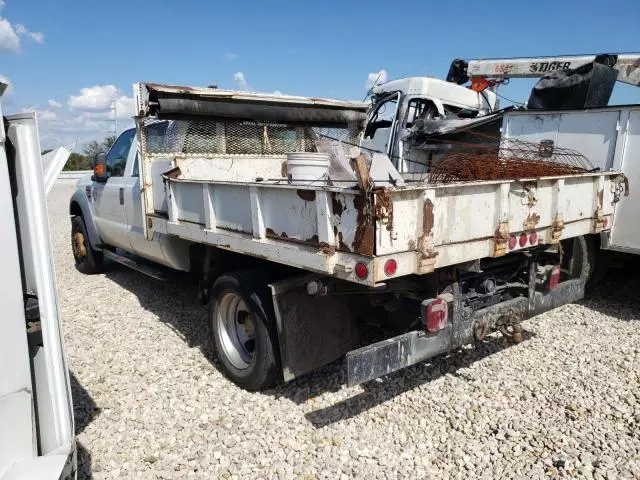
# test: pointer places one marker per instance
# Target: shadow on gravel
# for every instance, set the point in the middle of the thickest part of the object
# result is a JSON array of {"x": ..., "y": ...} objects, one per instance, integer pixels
[
  {"x": 618, "y": 293},
  {"x": 84, "y": 411},
  {"x": 174, "y": 303},
  {"x": 386, "y": 388}
]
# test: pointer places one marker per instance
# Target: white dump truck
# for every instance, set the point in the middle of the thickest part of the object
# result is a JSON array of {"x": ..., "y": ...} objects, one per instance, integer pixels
[
  {"x": 36, "y": 410},
  {"x": 306, "y": 218}
]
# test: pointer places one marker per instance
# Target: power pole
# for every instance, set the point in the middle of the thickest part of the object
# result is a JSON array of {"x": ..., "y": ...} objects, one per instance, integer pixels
[{"x": 114, "y": 108}]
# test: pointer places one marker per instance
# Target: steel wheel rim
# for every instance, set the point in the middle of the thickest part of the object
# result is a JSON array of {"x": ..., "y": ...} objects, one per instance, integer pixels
[{"x": 236, "y": 330}]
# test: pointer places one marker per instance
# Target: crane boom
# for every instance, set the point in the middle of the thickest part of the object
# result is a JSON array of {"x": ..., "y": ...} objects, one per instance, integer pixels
[{"x": 627, "y": 65}]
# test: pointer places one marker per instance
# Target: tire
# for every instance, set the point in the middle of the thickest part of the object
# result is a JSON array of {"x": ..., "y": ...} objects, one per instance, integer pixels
[
  {"x": 88, "y": 260},
  {"x": 583, "y": 258},
  {"x": 243, "y": 330}
]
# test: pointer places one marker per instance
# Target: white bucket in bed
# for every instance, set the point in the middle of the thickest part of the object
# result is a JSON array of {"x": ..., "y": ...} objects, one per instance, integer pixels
[{"x": 308, "y": 168}]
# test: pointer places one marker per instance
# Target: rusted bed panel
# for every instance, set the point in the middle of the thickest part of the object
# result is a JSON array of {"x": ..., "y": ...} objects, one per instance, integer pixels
[{"x": 330, "y": 229}]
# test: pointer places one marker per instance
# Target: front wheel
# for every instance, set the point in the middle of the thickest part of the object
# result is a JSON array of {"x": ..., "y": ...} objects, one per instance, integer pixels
[
  {"x": 88, "y": 260},
  {"x": 243, "y": 330}
]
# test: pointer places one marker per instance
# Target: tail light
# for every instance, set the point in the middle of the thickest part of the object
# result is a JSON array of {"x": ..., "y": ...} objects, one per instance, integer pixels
[
  {"x": 512, "y": 242},
  {"x": 522, "y": 241},
  {"x": 533, "y": 238},
  {"x": 554, "y": 278},
  {"x": 605, "y": 222},
  {"x": 362, "y": 272},
  {"x": 390, "y": 267},
  {"x": 435, "y": 314}
]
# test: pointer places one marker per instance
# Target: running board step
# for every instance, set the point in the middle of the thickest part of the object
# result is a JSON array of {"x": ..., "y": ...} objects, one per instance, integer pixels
[{"x": 138, "y": 265}]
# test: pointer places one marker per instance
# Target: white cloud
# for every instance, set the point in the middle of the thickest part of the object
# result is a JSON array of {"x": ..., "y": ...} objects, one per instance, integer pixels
[
  {"x": 10, "y": 34},
  {"x": 376, "y": 78},
  {"x": 79, "y": 128},
  {"x": 101, "y": 99},
  {"x": 37, "y": 37},
  {"x": 91, "y": 116},
  {"x": 277, "y": 92},
  {"x": 9, "y": 39},
  {"x": 241, "y": 81},
  {"x": 124, "y": 107},
  {"x": 6, "y": 80},
  {"x": 42, "y": 114},
  {"x": 230, "y": 56}
]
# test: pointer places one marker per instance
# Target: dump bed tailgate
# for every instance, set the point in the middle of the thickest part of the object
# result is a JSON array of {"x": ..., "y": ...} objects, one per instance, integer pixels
[{"x": 456, "y": 223}]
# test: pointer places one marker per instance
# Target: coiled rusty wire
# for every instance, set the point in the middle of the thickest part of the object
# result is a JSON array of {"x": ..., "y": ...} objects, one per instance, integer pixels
[{"x": 495, "y": 158}]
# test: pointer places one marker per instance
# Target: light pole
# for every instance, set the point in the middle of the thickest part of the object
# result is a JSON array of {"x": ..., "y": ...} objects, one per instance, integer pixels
[{"x": 115, "y": 117}]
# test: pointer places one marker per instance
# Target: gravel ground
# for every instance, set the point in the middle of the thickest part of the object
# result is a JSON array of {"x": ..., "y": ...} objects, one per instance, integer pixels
[{"x": 148, "y": 403}]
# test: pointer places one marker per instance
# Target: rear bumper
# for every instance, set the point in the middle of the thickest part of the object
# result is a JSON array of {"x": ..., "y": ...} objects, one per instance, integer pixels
[{"x": 395, "y": 353}]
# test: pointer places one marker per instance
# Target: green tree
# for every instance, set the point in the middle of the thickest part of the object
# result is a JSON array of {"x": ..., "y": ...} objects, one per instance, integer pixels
[
  {"x": 78, "y": 162},
  {"x": 107, "y": 142},
  {"x": 92, "y": 148}
]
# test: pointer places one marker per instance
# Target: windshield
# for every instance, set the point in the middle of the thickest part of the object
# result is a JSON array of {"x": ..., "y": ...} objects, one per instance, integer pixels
[{"x": 377, "y": 134}]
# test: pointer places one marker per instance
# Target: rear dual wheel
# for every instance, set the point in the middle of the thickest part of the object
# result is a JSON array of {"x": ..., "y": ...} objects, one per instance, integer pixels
[{"x": 243, "y": 329}]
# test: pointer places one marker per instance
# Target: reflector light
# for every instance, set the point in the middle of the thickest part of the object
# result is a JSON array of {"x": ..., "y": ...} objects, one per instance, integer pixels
[
  {"x": 533, "y": 238},
  {"x": 437, "y": 315},
  {"x": 512, "y": 242},
  {"x": 605, "y": 223},
  {"x": 390, "y": 267},
  {"x": 362, "y": 271},
  {"x": 523, "y": 239},
  {"x": 554, "y": 279}
]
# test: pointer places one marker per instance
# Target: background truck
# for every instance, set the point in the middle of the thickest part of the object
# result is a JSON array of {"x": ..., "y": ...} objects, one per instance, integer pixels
[
  {"x": 303, "y": 220},
  {"x": 36, "y": 411}
]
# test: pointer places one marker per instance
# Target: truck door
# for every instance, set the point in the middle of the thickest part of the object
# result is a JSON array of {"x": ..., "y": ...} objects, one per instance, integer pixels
[{"x": 108, "y": 197}]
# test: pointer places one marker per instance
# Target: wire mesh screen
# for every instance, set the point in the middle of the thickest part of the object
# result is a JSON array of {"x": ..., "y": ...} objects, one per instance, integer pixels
[
  {"x": 496, "y": 158},
  {"x": 231, "y": 137}
]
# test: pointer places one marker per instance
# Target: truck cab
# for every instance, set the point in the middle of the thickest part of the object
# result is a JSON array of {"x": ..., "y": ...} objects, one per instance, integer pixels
[
  {"x": 109, "y": 216},
  {"x": 397, "y": 104}
]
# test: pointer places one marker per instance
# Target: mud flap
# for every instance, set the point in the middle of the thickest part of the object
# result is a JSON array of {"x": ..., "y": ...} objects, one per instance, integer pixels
[{"x": 312, "y": 330}]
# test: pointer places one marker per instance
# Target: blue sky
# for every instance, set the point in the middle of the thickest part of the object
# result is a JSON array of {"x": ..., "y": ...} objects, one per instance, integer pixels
[{"x": 71, "y": 59}]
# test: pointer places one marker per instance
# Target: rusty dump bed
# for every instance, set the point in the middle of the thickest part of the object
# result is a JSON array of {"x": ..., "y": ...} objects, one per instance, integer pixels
[{"x": 226, "y": 182}]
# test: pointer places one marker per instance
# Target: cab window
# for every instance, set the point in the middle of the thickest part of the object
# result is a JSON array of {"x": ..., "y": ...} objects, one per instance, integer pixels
[
  {"x": 418, "y": 108},
  {"x": 117, "y": 156}
]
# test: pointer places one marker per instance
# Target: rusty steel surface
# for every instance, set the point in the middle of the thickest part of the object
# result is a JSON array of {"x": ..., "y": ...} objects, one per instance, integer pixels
[{"x": 496, "y": 158}]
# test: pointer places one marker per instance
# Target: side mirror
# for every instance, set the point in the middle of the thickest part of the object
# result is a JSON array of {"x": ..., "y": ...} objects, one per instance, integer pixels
[{"x": 100, "y": 168}]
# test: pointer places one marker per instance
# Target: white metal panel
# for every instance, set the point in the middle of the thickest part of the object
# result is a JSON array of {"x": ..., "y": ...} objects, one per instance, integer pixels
[
  {"x": 289, "y": 215},
  {"x": 532, "y": 127},
  {"x": 232, "y": 168},
  {"x": 17, "y": 441},
  {"x": 49, "y": 467},
  {"x": 13, "y": 339},
  {"x": 54, "y": 402},
  {"x": 16, "y": 423},
  {"x": 625, "y": 232},
  {"x": 593, "y": 134}
]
